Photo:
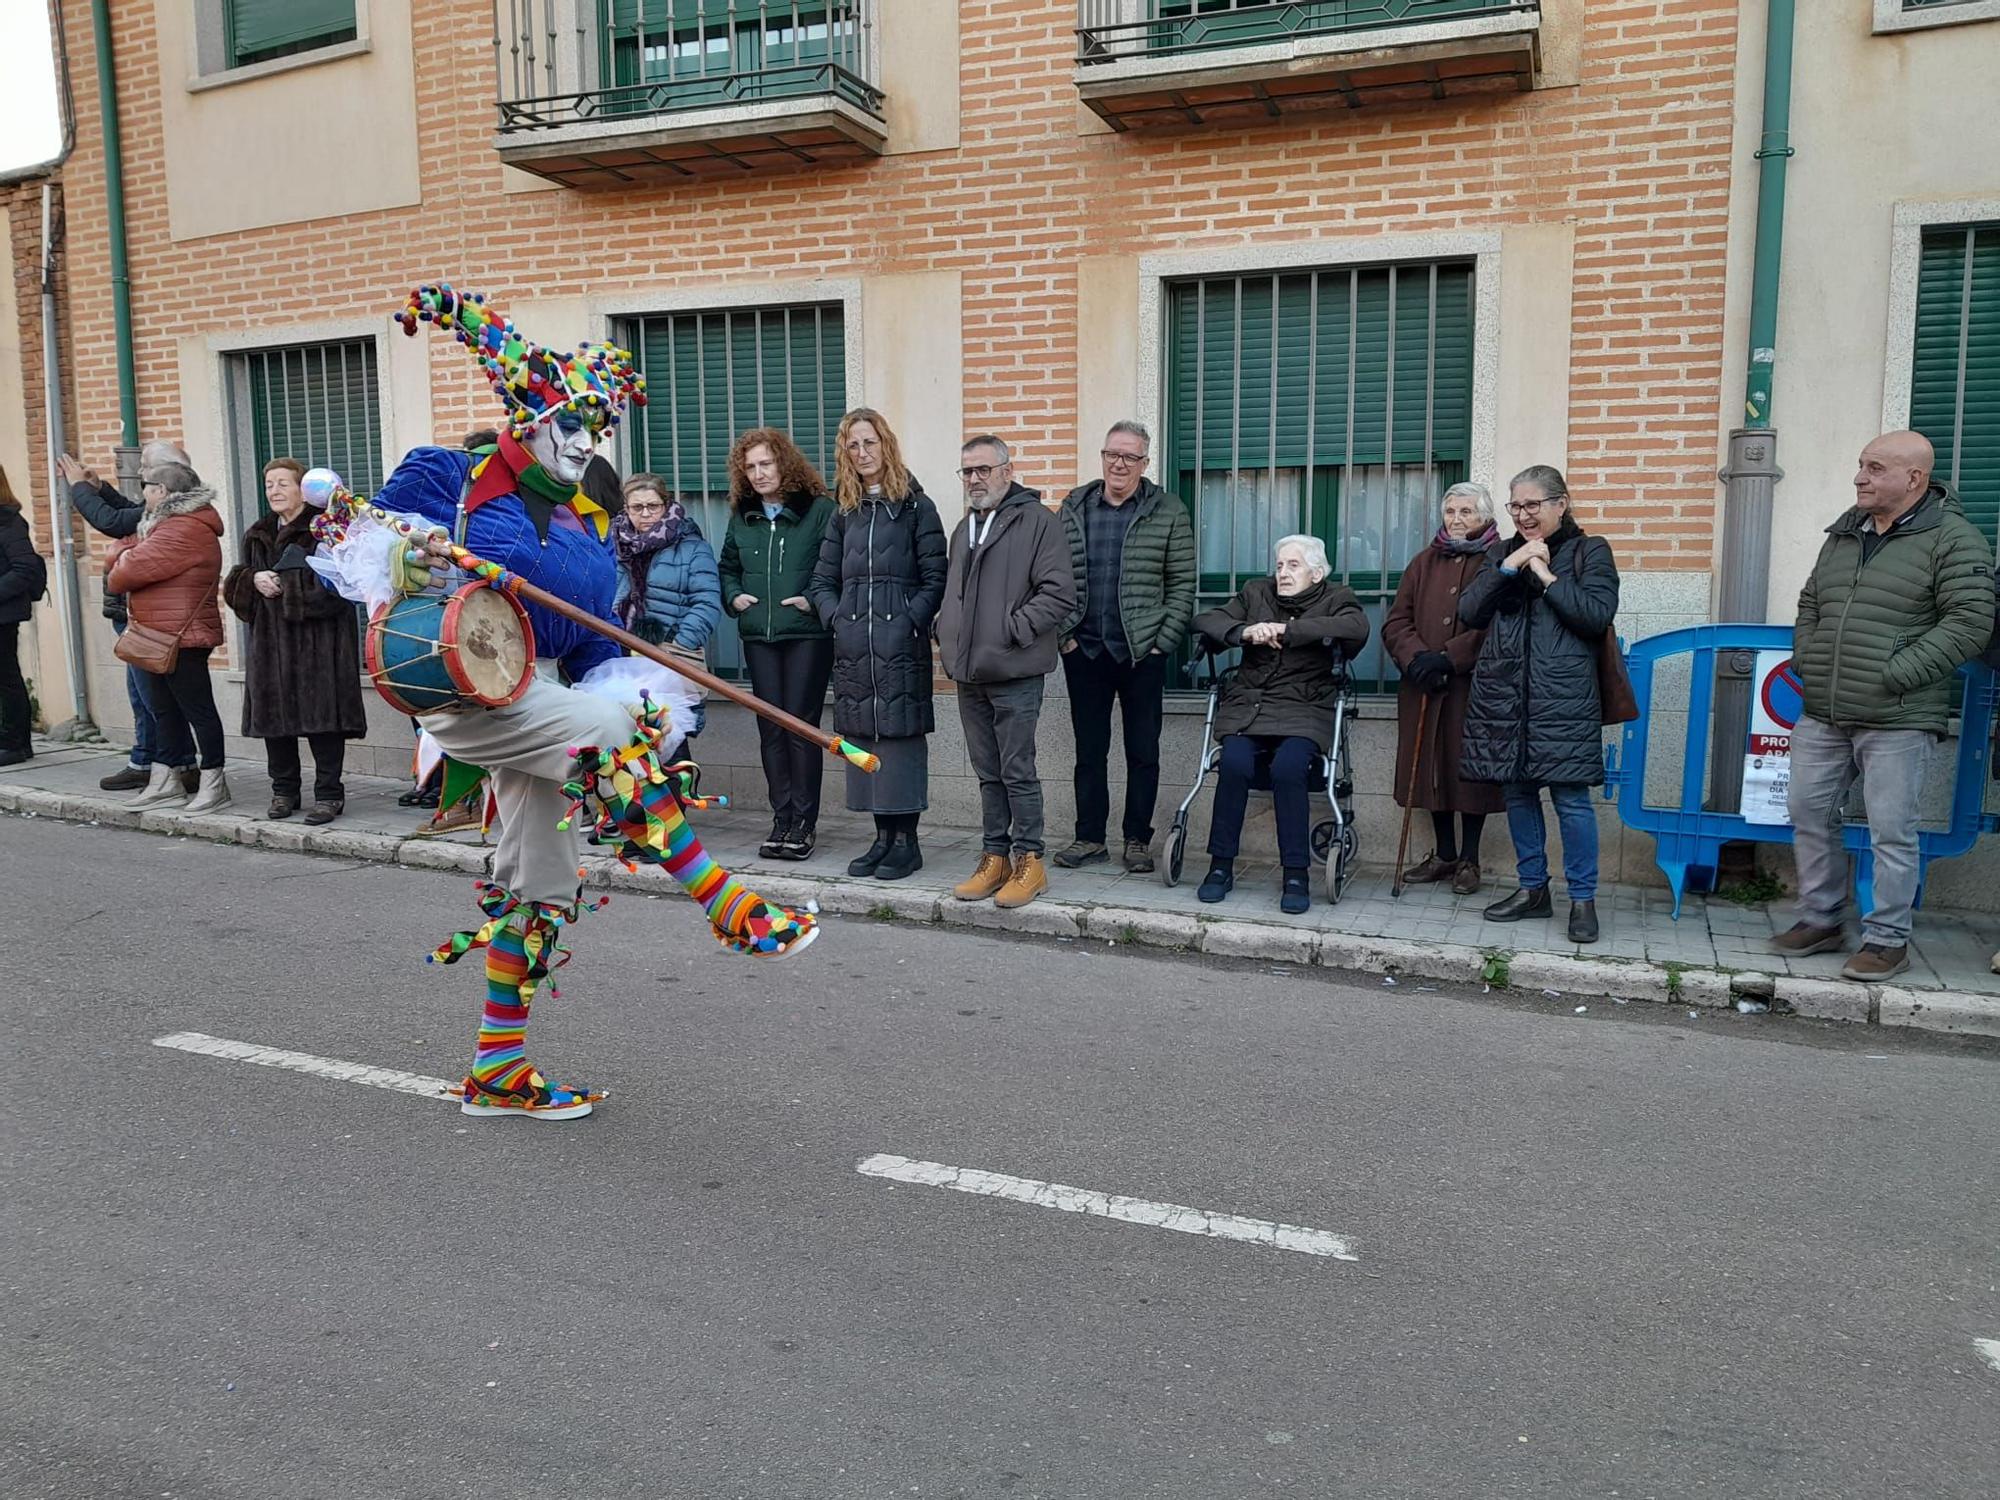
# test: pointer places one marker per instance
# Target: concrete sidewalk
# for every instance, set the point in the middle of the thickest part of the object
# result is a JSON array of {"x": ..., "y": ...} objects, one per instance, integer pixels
[{"x": 1716, "y": 955}]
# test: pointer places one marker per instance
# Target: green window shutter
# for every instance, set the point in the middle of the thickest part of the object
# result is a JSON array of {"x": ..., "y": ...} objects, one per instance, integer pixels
[
  {"x": 262, "y": 29},
  {"x": 712, "y": 375},
  {"x": 1955, "y": 380},
  {"x": 318, "y": 403}
]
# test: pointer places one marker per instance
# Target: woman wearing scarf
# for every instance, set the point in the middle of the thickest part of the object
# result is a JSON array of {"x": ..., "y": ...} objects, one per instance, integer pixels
[
  {"x": 1297, "y": 629},
  {"x": 669, "y": 589},
  {"x": 1435, "y": 654}
]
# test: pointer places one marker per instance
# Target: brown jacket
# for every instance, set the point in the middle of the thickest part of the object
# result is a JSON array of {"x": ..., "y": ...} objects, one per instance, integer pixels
[
  {"x": 1424, "y": 617},
  {"x": 1286, "y": 690},
  {"x": 302, "y": 673},
  {"x": 1006, "y": 599},
  {"x": 169, "y": 570}
]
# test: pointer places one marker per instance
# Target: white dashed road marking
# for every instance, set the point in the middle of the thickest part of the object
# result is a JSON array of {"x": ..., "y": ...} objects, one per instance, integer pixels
[
  {"x": 318, "y": 1067},
  {"x": 1078, "y": 1200},
  {"x": 1989, "y": 1350}
]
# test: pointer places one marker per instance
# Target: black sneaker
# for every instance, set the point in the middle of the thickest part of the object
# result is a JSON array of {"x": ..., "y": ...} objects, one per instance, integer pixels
[
  {"x": 127, "y": 778},
  {"x": 798, "y": 842},
  {"x": 774, "y": 846}
]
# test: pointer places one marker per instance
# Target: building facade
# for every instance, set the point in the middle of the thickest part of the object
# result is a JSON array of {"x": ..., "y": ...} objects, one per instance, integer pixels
[{"x": 1335, "y": 255}]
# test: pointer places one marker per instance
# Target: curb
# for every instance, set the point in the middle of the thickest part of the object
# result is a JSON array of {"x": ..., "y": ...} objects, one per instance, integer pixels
[{"x": 1556, "y": 974}]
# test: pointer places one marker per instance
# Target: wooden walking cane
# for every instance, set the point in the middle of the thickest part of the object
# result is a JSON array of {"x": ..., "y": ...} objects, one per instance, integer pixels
[
  {"x": 514, "y": 584},
  {"x": 1410, "y": 801}
]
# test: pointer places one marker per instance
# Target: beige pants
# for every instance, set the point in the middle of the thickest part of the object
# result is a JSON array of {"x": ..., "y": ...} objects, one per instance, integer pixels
[{"x": 525, "y": 749}]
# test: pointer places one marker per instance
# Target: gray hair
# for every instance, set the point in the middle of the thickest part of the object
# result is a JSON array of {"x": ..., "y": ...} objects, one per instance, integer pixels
[
  {"x": 987, "y": 440},
  {"x": 1312, "y": 547},
  {"x": 175, "y": 479},
  {"x": 1136, "y": 429},
  {"x": 164, "y": 451},
  {"x": 1478, "y": 494},
  {"x": 1547, "y": 479}
]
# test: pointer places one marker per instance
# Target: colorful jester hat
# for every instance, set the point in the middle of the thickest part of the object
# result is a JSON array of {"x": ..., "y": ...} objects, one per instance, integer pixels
[{"x": 594, "y": 383}]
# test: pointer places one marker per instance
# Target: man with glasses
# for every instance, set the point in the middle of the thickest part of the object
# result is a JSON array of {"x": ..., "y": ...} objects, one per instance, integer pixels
[
  {"x": 1131, "y": 548},
  {"x": 1008, "y": 588}
]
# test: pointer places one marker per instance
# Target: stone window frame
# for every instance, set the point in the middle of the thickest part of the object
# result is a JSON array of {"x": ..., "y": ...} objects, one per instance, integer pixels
[
  {"x": 208, "y": 66},
  {"x": 1906, "y": 251},
  {"x": 1895, "y": 16}
]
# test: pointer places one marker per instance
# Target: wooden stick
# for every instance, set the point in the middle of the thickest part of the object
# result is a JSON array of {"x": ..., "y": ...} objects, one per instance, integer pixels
[
  {"x": 514, "y": 584},
  {"x": 1410, "y": 800}
]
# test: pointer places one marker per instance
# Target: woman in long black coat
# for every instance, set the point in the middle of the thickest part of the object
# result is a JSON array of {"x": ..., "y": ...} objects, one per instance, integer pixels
[
  {"x": 879, "y": 582},
  {"x": 303, "y": 676},
  {"x": 1545, "y": 598}
]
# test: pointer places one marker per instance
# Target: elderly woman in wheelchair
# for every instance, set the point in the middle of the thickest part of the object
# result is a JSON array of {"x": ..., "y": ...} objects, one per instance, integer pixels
[{"x": 1297, "y": 629}]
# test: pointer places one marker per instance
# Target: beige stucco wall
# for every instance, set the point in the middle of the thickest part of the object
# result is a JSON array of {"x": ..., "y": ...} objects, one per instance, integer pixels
[
  {"x": 319, "y": 141},
  {"x": 912, "y": 372},
  {"x": 1877, "y": 120},
  {"x": 918, "y": 72},
  {"x": 1107, "y": 351},
  {"x": 1537, "y": 271}
]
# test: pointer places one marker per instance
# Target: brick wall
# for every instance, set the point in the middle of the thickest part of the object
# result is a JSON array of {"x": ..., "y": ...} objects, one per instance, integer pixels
[
  {"x": 21, "y": 203},
  {"x": 1637, "y": 157}
]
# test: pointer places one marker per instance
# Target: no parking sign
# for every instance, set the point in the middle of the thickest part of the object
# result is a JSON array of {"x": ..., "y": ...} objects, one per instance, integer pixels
[{"x": 1776, "y": 702}]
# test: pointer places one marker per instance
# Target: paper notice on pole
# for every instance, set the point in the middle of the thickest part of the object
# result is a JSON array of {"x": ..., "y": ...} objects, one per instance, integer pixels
[{"x": 1775, "y": 704}]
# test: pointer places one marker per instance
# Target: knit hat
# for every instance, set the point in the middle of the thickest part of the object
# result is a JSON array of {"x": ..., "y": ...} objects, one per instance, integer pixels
[{"x": 594, "y": 384}]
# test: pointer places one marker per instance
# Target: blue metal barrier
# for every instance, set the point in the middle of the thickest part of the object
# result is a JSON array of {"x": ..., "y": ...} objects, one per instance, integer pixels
[{"x": 1690, "y": 838}]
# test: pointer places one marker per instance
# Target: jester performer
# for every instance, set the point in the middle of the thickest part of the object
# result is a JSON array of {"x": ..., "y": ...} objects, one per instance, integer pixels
[{"x": 559, "y": 750}]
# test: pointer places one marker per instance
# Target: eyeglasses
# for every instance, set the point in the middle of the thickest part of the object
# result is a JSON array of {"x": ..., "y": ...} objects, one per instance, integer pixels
[
  {"x": 1121, "y": 460},
  {"x": 977, "y": 472},
  {"x": 1522, "y": 507},
  {"x": 861, "y": 445}
]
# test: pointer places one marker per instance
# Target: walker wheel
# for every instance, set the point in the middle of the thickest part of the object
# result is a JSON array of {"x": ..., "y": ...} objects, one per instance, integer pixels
[
  {"x": 1341, "y": 861},
  {"x": 1173, "y": 854}
]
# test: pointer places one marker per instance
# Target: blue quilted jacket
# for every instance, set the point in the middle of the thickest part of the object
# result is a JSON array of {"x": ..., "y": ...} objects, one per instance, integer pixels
[{"x": 572, "y": 564}]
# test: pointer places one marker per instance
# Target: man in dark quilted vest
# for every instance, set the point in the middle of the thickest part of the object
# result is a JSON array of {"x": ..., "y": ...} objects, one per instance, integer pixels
[{"x": 1902, "y": 593}]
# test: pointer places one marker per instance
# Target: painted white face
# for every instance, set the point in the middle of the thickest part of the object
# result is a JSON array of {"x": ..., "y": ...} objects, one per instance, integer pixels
[{"x": 563, "y": 447}]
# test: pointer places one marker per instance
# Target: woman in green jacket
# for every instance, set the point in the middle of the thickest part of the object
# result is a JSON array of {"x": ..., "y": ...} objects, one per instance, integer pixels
[{"x": 780, "y": 513}]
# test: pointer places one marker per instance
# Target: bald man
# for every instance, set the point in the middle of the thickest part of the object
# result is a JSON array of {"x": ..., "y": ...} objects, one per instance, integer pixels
[{"x": 1902, "y": 593}]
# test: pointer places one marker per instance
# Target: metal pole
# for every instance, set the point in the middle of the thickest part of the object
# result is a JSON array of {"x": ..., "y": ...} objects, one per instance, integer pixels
[
  {"x": 114, "y": 206},
  {"x": 69, "y": 603}
]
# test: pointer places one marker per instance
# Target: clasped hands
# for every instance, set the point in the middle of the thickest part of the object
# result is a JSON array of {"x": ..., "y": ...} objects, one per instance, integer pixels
[
  {"x": 1532, "y": 557},
  {"x": 1264, "y": 633}
]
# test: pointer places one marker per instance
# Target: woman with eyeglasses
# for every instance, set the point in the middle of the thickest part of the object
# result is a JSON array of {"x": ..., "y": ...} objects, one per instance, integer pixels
[
  {"x": 1545, "y": 597},
  {"x": 1434, "y": 652},
  {"x": 779, "y": 515},
  {"x": 879, "y": 582},
  {"x": 669, "y": 590}
]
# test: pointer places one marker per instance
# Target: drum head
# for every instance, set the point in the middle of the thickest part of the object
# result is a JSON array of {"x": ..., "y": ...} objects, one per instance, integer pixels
[{"x": 494, "y": 649}]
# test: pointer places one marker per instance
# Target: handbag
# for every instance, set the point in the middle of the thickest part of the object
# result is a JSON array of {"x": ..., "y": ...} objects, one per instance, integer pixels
[
  {"x": 152, "y": 650},
  {"x": 1615, "y": 701}
]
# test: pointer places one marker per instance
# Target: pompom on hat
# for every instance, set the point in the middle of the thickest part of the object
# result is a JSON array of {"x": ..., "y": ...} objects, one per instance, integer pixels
[{"x": 595, "y": 383}]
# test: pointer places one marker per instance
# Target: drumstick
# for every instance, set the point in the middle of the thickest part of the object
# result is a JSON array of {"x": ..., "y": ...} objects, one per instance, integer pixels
[{"x": 513, "y": 583}]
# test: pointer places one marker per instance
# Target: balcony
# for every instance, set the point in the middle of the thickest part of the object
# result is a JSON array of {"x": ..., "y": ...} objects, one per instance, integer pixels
[
  {"x": 624, "y": 93},
  {"x": 1144, "y": 64}
]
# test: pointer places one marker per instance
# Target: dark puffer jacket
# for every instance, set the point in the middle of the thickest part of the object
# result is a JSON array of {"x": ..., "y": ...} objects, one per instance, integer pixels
[
  {"x": 111, "y": 513},
  {"x": 1535, "y": 714},
  {"x": 1877, "y": 642},
  {"x": 24, "y": 577},
  {"x": 1287, "y": 690},
  {"x": 1156, "y": 573},
  {"x": 879, "y": 583}
]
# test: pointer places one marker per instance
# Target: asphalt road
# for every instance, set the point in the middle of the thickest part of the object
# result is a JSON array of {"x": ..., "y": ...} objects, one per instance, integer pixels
[{"x": 1612, "y": 1254}]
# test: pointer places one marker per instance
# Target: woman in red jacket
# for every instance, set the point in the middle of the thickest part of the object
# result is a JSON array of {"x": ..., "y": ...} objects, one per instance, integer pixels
[{"x": 168, "y": 572}]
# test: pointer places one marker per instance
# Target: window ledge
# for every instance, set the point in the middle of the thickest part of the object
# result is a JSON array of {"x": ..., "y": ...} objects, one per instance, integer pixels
[
  {"x": 1893, "y": 16},
  {"x": 201, "y": 83}
]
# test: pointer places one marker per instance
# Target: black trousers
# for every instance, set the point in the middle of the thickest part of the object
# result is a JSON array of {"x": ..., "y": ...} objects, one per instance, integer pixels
[
  {"x": 184, "y": 703},
  {"x": 281, "y": 759},
  {"x": 1141, "y": 691},
  {"x": 791, "y": 675},
  {"x": 14, "y": 713}
]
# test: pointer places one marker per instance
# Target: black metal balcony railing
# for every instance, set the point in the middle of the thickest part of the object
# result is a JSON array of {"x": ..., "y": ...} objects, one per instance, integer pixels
[
  {"x": 1108, "y": 33},
  {"x": 580, "y": 62}
]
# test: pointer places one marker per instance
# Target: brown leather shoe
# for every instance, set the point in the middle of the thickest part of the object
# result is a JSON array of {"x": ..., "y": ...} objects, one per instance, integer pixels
[
  {"x": 1431, "y": 871},
  {"x": 1029, "y": 880},
  {"x": 1466, "y": 881},
  {"x": 1803, "y": 939},
  {"x": 986, "y": 878},
  {"x": 1876, "y": 962}
]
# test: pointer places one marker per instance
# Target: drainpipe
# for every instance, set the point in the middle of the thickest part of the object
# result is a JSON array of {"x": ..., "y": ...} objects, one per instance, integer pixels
[
  {"x": 121, "y": 279},
  {"x": 69, "y": 589},
  {"x": 1751, "y": 477}
]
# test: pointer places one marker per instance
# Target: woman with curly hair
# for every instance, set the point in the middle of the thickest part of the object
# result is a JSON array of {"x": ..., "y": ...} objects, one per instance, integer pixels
[
  {"x": 779, "y": 515},
  {"x": 879, "y": 583}
]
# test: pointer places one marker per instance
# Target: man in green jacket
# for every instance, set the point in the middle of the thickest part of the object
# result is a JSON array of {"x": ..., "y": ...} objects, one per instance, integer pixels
[
  {"x": 1902, "y": 593},
  {"x": 1132, "y": 548}
]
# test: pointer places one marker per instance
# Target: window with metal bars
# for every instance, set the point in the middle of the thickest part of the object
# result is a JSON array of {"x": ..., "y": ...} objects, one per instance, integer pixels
[
  {"x": 1955, "y": 375},
  {"x": 1336, "y": 403},
  {"x": 698, "y": 52},
  {"x": 318, "y": 403},
  {"x": 712, "y": 375}
]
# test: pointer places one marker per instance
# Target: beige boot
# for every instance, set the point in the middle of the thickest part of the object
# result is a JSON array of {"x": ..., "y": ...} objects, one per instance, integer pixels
[
  {"x": 1029, "y": 880},
  {"x": 214, "y": 793},
  {"x": 988, "y": 877},
  {"x": 163, "y": 789}
]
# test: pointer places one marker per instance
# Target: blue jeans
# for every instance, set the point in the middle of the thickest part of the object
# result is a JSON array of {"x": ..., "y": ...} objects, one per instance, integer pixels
[
  {"x": 145, "y": 728},
  {"x": 1578, "y": 821}
]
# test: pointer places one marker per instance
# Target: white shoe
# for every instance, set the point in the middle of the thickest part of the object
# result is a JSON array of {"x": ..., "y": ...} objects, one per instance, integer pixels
[
  {"x": 212, "y": 795},
  {"x": 162, "y": 789}
]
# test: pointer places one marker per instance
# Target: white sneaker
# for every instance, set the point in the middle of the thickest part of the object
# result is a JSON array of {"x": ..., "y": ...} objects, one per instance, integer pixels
[
  {"x": 213, "y": 794},
  {"x": 163, "y": 789}
]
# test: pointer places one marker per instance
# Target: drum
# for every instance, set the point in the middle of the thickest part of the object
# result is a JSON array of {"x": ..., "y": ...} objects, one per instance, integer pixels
[{"x": 427, "y": 652}]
